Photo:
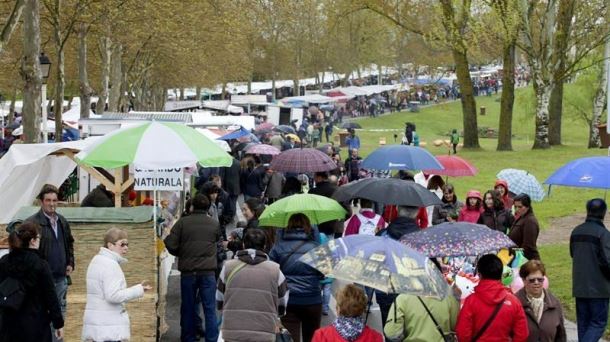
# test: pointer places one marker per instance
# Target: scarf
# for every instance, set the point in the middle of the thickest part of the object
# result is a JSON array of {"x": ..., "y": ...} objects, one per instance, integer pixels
[
  {"x": 537, "y": 305},
  {"x": 350, "y": 328}
]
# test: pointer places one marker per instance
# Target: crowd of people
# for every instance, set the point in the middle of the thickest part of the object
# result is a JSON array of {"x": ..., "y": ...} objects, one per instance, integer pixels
[{"x": 249, "y": 284}]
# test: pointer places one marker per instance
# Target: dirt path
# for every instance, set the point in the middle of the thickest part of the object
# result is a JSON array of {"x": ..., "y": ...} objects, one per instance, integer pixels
[{"x": 561, "y": 228}]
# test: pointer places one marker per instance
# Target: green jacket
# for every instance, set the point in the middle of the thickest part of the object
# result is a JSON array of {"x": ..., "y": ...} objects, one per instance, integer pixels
[
  {"x": 455, "y": 138},
  {"x": 413, "y": 324}
]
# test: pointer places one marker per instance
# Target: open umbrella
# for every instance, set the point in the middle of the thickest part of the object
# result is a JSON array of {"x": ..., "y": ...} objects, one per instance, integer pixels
[
  {"x": 285, "y": 129},
  {"x": 380, "y": 263},
  {"x": 241, "y": 132},
  {"x": 317, "y": 208},
  {"x": 154, "y": 145},
  {"x": 263, "y": 149},
  {"x": 453, "y": 166},
  {"x": 521, "y": 181},
  {"x": 350, "y": 125},
  {"x": 294, "y": 137},
  {"x": 303, "y": 160},
  {"x": 452, "y": 239},
  {"x": 265, "y": 126},
  {"x": 401, "y": 157},
  {"x": 589, "y": 172},
  {"x": 387, "y": 191}
]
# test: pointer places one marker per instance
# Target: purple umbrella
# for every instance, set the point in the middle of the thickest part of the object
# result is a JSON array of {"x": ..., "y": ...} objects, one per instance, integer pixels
[
  {"x": 302, "y": 160},
  {"x": 263, "y": 149}
]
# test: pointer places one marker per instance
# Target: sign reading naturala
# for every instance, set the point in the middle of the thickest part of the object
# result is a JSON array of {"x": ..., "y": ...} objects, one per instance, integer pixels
[{"x": 163, "y": 179}]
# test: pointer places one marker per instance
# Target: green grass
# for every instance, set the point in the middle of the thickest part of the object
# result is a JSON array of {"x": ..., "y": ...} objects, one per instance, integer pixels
[{"x": 435, "y": 122}]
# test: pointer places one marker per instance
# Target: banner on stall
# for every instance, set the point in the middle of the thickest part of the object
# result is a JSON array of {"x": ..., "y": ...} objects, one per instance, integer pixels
[{"x": 163, "y": 179}]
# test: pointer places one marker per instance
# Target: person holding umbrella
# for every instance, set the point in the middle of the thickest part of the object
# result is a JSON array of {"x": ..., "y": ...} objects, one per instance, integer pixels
[
  {"x": 501, "y": 186},
  {"x": 449, "y": 210},
  {"x": 524, "y": 231},
  {"x": 304, "y": 310}
]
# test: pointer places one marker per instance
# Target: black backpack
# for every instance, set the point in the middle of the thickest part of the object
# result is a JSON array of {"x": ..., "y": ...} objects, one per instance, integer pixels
[{"x": 12, "y": 293}]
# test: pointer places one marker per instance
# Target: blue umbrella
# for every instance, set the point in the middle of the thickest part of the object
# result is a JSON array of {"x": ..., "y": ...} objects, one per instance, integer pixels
[
  {"x": 401, "y": 157},
  {"x": 522, "y": 182},
  {"x": 241, "y": 132},
  {"x": 590, "y": 172},
  {"x": 380, "y": 263}
]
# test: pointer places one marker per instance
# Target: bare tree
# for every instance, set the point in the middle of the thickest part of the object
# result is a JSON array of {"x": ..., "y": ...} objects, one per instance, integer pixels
[
  {"x": 11, "y": 23},
  {"x": 30, "y": 71}
]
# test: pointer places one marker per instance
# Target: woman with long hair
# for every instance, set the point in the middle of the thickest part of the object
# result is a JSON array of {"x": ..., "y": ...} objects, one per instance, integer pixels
[
  {"x": 494, "y": 215},
  {"x": 32, "y": 321}
]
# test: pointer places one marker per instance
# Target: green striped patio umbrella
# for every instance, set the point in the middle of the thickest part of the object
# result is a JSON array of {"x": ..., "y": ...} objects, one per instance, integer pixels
[
  {"x": 317, "y": 208},
  {"x": 154, "y": 145}
]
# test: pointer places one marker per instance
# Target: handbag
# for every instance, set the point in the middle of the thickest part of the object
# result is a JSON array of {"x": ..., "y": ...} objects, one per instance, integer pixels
[
  {"x": 283, "y": 335},
  {"x": 447, "y": 337}
]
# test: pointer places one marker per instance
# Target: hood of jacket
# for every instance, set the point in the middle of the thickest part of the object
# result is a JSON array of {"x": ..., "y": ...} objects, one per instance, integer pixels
[
  {"x": 491, "y": 292},
  {"x": 252, "y": 256},
  {"x": 105, "y": 252},
  {"x": 504, "y": 184},
  {"x": 401, "y": 226},
  {"x": 473, "y": 194}
]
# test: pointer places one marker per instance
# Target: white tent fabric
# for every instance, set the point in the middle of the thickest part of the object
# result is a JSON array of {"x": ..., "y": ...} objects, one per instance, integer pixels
[
  {"x": 213, "y": 136},
  {"x": 25, "y": 168},
  {"x": 73, "y": 114},
  {"x": 314, "y": 98}
]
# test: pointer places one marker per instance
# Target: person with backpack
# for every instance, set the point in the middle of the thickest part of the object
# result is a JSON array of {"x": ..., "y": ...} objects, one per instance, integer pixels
[
  {"x": 491, "y": 313},
  {"x": 366, "y": 222},
  {"x": 455, "y": 140},
  {"x": 27, "y": 314}
]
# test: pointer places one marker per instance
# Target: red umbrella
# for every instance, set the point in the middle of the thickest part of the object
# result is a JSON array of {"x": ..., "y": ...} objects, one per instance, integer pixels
[
  {"x": 454, "y": 167},
  {"x": 302, "y": 160},
  {"x": 263, "y": 149}
]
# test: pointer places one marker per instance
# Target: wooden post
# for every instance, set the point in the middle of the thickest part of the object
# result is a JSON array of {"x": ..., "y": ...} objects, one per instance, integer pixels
[{"x": 118, "y": 181}]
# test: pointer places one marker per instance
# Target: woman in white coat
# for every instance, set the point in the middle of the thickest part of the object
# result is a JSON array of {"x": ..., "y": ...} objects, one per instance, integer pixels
[{"x": 105, "y": 316}]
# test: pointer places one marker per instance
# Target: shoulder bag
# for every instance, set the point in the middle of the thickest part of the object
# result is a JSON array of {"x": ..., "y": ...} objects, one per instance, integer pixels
[
  {"x": 489, "y": 320},
  {"x": 447, "y": 337}
]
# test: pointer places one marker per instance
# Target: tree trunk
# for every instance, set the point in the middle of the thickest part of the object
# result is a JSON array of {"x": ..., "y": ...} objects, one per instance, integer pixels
[
  {"x": 296, "y": 87},
  {"x": 543, "y": 98},
  {"x": 555, "y": 111},
  {"x": 116, "y": 75},
  {"x": 11, "y": 108},
  {"x": 181, "y": 98},
  {"x": 197, "y": 93},
  {"x": 223, "y": 93},
  {"x": 469, "y": 105},
  {"x": 508, "y": 99},
  {"x": 600, "y": 100},
  {"x": 83, "y": 79},
  {"x": 60, "y": 84},
  {"x": 106, "y": 52},
  {"x": 250, "y": 86},
  {"x": 11, "y": 23},
  {"x": 30, "y": 71}
]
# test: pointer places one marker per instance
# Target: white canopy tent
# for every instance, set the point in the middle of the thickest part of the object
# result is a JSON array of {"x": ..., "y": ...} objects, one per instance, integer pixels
[
  {"x": 25, "y": 168},
  {"x": 214, "y": 137}
]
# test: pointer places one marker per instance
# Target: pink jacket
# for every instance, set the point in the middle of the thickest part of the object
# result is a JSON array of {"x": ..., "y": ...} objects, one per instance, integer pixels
[{"x": 353, "y": 225}]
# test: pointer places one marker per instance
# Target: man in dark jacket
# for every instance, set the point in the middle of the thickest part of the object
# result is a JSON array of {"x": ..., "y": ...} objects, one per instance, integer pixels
[
  {"x": 98, "y": 198},
  {"x": 590, "y": 251},
  {"x": 56, "y": 241},
  {"x": 327, "y": 189},
  {"x": 193, "y": 240},
  {"x": 403, "y": 224}
]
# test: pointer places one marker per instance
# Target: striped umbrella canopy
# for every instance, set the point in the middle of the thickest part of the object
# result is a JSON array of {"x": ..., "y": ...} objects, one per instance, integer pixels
[
  {"x": 521, "y": 181},
  {"x": 154, "y": 145},
  {"x": 303, "y": 160}
]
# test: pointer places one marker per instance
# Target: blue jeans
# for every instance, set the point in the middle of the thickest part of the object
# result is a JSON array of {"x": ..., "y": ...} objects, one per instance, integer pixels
[
  {"x": 206, "y": 284},
  {"x": 592, "y": 317},
  {"x": 61, "y": 290}
]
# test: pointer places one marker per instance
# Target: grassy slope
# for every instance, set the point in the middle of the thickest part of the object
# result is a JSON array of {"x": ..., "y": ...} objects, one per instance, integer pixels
[{"x": 435, "y": 122}]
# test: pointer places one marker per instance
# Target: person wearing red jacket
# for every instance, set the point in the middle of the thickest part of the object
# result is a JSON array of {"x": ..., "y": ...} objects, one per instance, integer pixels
[
  {"x": 472, "y": 209},
  {"x": 501, "y": 186},
  {"x": 349, "y": 325},
  {"x": 491, "y": 313}
]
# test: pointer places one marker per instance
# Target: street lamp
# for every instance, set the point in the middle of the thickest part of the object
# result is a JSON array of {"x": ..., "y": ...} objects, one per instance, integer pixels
[{"x": 45, "y": 68}]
